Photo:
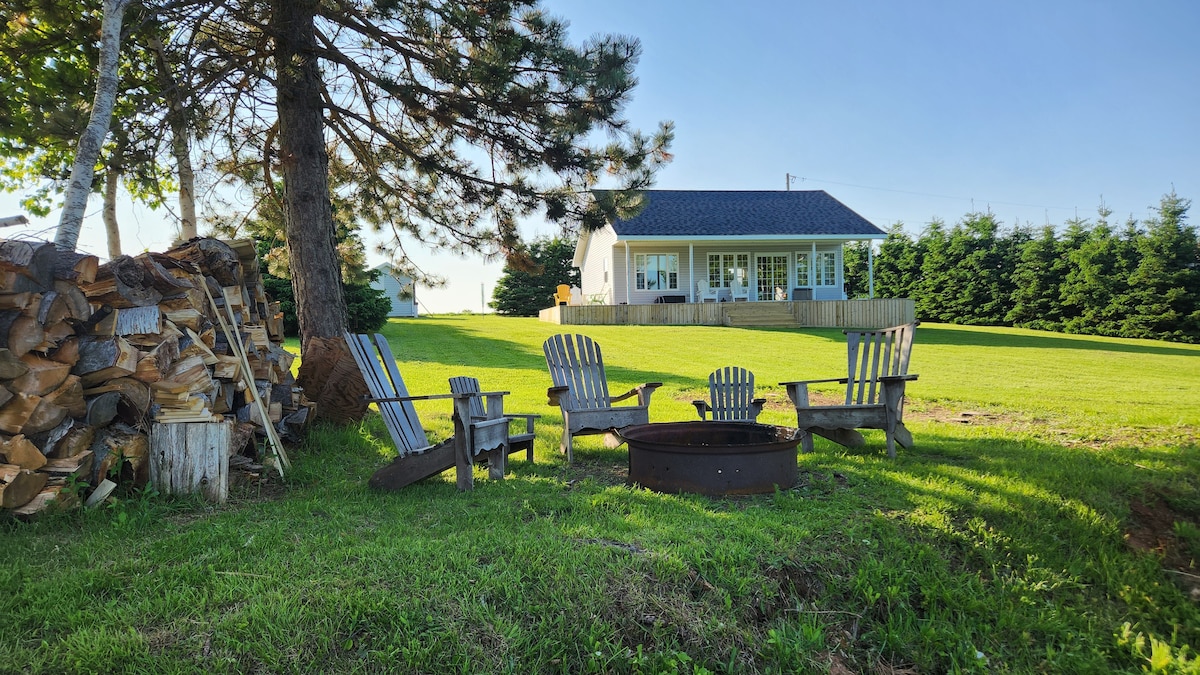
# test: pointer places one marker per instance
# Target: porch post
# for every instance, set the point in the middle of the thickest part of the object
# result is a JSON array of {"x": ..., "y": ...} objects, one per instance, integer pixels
[
  {"x": 870, "y": 269},
  {"x": 692, "y": 272},
  {"x": 627, "y": 296}
]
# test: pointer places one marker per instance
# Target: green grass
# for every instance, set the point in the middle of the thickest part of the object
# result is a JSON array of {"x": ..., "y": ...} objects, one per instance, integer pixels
[{"x": 996, "y": 545}]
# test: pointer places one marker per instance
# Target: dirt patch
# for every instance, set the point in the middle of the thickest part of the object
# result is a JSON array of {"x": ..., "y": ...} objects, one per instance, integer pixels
[{"x": 1152, "y": 529}]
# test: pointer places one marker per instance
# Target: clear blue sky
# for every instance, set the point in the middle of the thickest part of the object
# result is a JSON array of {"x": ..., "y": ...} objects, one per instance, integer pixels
[{"x": 905, "y": 111}]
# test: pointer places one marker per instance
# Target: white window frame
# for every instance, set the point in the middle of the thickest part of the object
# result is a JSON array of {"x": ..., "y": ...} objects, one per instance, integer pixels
[
  {"x": 670, "y": 275},
  {"x": 804, "y": 258},
  {"x": 825, "y": 269},
  {"x": 728, "y": 265}
]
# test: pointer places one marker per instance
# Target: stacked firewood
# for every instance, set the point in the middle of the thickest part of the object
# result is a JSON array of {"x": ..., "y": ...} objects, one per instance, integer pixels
[{"x": 92, "y": 356}]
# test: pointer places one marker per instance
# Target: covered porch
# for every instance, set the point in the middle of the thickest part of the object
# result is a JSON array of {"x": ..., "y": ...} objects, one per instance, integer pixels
[{"x": 873, "y": 313}]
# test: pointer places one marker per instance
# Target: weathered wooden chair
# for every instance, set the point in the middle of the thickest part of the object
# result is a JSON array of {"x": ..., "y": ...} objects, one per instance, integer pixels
[
  {"x": 580, "y": 390},
  {"x": 877, "y": 363},
  {"x": 418, "y": 457},
  {"x": 516, "y": 442},
  {"x": 731, "y": 396}
]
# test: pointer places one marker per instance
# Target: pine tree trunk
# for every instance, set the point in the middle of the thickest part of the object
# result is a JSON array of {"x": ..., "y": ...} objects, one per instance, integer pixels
[
  {"x": 112, "y": 178},
  {"x": 80, "y": 184},
  {"x": 312, "y": 251},
  {"x": 180, "y": 143}
]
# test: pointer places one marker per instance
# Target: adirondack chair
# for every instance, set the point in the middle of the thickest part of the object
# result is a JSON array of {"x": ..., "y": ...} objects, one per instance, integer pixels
[
  {"x": 580, "y": 390},
  {"x": 704, "y": 292},
  {"x": 516, "y": 442},
  {"x": 877, "y": 363},
  {"x": 731, "y": 394},
  {"x": 562, "y": 295},
  {"x": 738, "y": 290},
  {"x": 418, "y": 457}
]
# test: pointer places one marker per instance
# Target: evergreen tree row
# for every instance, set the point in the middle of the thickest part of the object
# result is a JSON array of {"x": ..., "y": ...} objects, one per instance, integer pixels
[{"x": 1139, "y": 280}]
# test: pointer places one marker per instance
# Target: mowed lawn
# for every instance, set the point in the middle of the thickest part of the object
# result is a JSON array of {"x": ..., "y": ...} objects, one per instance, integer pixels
[{"x": 1047, "y": 521}]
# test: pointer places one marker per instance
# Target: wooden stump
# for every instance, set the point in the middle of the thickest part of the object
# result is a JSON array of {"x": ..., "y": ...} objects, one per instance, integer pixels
[{"x": 190, "y": 459}]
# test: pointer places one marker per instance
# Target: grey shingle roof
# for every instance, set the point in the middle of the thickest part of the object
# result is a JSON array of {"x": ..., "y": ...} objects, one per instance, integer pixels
[{"x": 699, "y": 213}]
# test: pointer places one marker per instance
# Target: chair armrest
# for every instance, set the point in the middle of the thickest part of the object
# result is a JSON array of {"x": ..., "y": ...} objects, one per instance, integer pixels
[
  {"x": 642, "y": 391},
  {"x": 702, "y": 408},
  {"x": 428, "y": 397},
  {"x": 841, "y": 380},
  {"x": 556, "y": 395},
  {"x": 897, "y": 378}
]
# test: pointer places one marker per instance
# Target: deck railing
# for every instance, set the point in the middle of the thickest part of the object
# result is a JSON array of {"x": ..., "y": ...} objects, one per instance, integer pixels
[{"x": 805, "y": 314}]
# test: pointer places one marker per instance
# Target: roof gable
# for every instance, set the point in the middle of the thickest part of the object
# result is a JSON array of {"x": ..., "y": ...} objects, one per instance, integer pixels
[{"x": 761, "y": 213}]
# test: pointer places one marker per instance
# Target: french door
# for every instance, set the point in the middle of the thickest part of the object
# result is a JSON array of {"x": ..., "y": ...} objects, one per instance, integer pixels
[{"x": 772, "y": 273}]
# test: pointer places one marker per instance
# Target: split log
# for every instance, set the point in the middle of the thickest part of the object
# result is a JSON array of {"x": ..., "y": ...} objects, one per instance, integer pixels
[
  {"x": 77, "y": 303},
  {"x": 66, "y": 352},
  {"x": 135, "y": 395},
  {"x": 11, "y": 366},
  {"x": 22, "y": 452},
  {"x": 103, "y": 359},
  {"x": 69, "y": 439},
  {"x": 78, "y": 465},
  {"x": 20, "y": 333},
  {"x": 43, "y": 376},
  {"x": 31, "y": 264},
  {"x": 18, "y": 486},
  {"x": 52, "y": 498},
  {"x": 76, "y": 268},
  {"x": 16, "y": 300},
  {"x": 114, "y": 443},
  {"x": 139, "y": 321},
  {"x": 123, "y": 282},
  {"x": 215, "y": 257},
  {"x": 15, "y": 413}
]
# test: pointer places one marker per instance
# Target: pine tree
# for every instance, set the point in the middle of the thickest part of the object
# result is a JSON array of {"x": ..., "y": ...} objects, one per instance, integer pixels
[
  {"x": 523, "y": 290},
  {"x": 1163, "y": 298}
]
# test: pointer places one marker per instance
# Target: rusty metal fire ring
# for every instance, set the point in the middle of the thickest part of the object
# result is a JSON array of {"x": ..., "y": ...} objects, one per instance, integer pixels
[{"x": 711, "y": 458}]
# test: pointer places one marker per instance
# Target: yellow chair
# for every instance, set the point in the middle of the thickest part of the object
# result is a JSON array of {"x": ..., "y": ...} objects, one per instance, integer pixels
[{"x": 562, "y": 295}]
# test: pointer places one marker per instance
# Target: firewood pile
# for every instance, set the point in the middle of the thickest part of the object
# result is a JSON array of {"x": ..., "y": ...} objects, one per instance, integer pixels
[{"x": 93, "y": 356}]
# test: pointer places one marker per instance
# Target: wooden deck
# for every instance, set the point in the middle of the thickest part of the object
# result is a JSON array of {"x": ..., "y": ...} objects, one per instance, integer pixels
[{"x": 804, "y": 314}]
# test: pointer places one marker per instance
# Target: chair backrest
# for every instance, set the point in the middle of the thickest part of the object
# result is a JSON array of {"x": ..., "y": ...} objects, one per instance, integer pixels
[
  {"x": 562, "y": 295},
  {"x": 576, "y": 295},
  {"x": 469, "y": 385},
  {"x": 575, "y": 362},
  {"x": 731, "y": 389},
  {"x": 378, "y": 367},
  {"x": 872, "y": 354}
]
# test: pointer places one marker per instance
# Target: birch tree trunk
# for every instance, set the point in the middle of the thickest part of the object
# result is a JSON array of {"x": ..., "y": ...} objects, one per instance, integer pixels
[
  {"x": 308, "y": 215},
  {"x": 112, "y": 179},
  {"x": 88, "y": 151}
]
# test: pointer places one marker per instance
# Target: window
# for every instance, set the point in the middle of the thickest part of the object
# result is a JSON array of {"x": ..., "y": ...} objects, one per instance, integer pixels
[
  {"x": 723, "y": 268},
  {"x": 657, "y": 271},
  {"x": 826, "y": 269},
  {"x": 802, "y": 268}
]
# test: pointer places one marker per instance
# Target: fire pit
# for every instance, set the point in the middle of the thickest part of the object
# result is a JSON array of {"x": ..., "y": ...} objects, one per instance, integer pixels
[{"x": 711, "y": 458}]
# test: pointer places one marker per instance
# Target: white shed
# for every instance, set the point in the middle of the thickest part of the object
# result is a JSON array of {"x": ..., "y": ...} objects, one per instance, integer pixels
[{"x": 399, "y": 288}]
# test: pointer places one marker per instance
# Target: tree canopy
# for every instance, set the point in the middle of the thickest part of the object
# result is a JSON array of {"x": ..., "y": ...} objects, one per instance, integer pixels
[
  {"x": 1140, "y": 281},
  {"x": 524, "y": 289}
]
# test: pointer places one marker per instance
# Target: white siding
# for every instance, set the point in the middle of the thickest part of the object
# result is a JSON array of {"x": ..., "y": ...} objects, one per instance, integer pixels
[
  {"x": 597, "y": 259},
  {"x": 392, "y": 285}
]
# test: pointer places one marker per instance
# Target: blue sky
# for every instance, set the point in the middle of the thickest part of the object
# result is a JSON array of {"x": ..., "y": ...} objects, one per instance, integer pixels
[{"x": 905, "y": 111}]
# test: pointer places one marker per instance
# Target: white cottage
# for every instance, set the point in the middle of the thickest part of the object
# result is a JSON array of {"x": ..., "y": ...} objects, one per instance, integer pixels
[
  {"x": 697, "y": 245},
  {"x": 399, "y": 288}
]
